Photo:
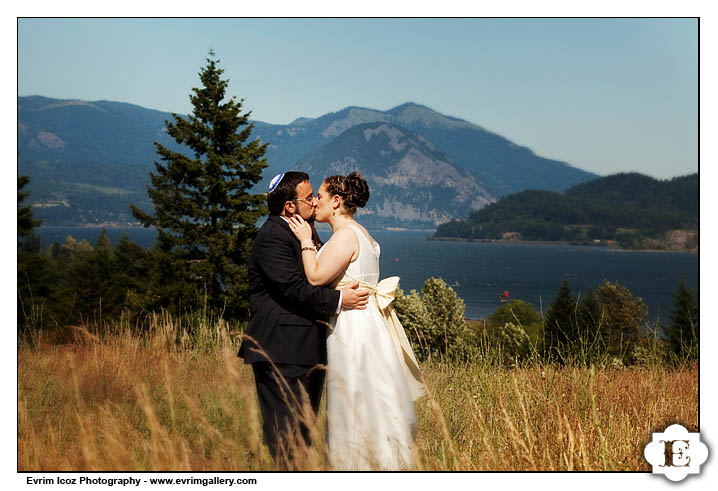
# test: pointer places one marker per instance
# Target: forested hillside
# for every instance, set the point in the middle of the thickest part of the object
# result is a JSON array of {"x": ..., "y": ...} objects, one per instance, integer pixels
[
  {"x": 634, "y": 210},
  {"x": 634, "y": 189}
]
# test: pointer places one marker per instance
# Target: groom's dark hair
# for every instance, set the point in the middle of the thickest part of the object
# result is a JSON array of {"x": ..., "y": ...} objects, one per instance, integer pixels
[{"x": 285, "y": 191}]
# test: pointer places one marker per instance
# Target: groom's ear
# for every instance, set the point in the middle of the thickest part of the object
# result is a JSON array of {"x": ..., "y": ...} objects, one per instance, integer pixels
[{"x": 290, "y": 209}]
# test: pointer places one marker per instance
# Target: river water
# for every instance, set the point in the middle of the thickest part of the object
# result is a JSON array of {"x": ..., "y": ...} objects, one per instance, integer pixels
[{"x": 480, "y": 272}]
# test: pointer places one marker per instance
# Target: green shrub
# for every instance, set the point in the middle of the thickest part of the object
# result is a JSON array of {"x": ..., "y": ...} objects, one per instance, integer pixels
[
  {"x": 516, "y": 311},
  {"x": 434, "y": 320},
  {"x": 517, "y": 328},
  {"x": 622, "y": 316},
  {"x": 514, "y": 343}
]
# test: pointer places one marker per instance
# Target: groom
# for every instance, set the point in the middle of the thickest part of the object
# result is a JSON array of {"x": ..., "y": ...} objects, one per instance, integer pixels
[{"x": 286, "y": 313}]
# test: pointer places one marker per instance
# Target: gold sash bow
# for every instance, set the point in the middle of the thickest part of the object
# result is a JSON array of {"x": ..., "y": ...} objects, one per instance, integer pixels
[{"x": 385, "y": 292}]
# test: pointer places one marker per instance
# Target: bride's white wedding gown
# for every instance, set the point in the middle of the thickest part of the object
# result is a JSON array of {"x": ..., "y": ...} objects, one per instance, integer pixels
[{"x": 370, "y": 410}]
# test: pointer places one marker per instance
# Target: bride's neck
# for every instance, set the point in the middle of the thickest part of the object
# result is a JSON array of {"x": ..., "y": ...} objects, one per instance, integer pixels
[{"x": 339, "y": 221}]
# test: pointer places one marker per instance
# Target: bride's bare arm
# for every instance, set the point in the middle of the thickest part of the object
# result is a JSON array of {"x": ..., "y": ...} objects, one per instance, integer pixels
[{"x": 336, "y": 255}]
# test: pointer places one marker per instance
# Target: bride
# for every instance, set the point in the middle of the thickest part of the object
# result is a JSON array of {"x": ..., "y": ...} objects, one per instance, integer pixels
[{"x": 372, "y": 375}]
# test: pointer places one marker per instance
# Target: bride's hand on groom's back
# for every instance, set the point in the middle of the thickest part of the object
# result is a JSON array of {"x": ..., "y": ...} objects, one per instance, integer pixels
[{"x": 354, "y": 297}]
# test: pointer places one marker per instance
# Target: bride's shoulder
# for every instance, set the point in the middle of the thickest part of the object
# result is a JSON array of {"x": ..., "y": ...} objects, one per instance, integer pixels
[
  {"x": 343, "y": 234},
  {"x": 362, "y": 229},
  {"x": 343, "y": 242}
]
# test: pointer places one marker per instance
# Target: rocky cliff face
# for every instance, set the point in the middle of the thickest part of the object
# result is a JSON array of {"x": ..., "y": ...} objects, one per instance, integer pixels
[{"x": 411, "y": 182}]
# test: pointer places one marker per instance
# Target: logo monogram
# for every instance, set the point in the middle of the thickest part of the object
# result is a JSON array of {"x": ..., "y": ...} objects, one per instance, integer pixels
[
  {"x": 676, "y": 453},
  {"x": 669, "y": 452}
]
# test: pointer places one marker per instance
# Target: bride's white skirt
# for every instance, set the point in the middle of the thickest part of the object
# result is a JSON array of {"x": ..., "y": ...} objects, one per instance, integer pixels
[{"x": 371, "y": 422}]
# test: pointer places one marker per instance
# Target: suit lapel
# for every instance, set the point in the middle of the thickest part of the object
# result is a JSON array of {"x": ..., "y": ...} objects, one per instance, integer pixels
[{"x": 284, "y": 226}]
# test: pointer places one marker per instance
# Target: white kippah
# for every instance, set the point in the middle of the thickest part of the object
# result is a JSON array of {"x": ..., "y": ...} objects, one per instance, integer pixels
[{"x": 275, "y": 182}]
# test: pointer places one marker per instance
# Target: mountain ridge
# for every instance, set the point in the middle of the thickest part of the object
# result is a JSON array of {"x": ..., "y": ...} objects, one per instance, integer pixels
[
  {"x": 88, "y": 142},
  {"x": 502, "y": 165}
]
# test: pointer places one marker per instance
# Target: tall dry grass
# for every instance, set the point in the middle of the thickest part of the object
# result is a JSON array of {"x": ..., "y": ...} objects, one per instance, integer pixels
[{"x": 177, "y": 398}]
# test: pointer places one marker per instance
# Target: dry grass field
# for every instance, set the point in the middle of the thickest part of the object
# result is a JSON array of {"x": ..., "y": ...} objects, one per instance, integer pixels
[{"x": 168, "y": 401}]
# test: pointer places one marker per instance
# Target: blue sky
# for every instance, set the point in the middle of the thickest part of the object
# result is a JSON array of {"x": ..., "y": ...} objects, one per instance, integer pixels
[{"x": 605, "y": 95}]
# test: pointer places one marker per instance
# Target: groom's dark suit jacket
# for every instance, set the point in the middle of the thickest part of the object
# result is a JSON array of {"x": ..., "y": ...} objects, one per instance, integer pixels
[{"x": 284, "y": 307}]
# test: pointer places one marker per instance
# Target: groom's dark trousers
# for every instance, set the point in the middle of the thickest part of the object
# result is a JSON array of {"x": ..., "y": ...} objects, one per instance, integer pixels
[
  {"x": 284, "y": 328},
  {"x": 281, "y": 404}
]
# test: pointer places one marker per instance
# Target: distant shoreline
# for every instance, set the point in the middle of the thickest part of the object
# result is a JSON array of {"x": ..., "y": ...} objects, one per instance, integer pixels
[
  {"x": 611, "y": 248},
  {"x": 685, "y": 251},
  {"x": 506, "y": 241},
  {"x": 320, "y": 226},
  {"x": 90, "y": 225}
]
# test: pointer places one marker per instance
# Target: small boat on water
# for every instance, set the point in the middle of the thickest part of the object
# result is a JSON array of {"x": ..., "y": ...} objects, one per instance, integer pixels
[{"x": 504, "y": 297}]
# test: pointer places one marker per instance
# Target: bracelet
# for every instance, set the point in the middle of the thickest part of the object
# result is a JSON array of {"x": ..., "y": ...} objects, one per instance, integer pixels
[{"x": 313, "y": 248}]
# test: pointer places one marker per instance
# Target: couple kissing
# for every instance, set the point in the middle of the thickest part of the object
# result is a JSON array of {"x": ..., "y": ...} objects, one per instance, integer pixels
[{"x": 318, "y": 312}]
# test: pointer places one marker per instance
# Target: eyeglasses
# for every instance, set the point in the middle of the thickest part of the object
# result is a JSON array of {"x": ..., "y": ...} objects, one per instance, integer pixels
[{"x": 309, "y": 201}]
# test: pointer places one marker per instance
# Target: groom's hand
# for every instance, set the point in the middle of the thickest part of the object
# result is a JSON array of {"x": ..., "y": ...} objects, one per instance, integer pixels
[{"x": 353, "y": 297}]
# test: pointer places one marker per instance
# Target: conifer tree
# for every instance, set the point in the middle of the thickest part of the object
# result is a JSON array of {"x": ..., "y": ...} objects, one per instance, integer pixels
[
  {"x": 560, "y": 324},
  {"x": 590, "y": 320},
  {"x": 88, "y": 289},
  {"x": 204, "y": 212},
  {"x": 132, "y": 278},
  {"x": 25, "y": 221},
  {"x": 589, "y": 312},
  {"x": 34, "y": 271},
  {"x": 682, "y": 330},
  {"x": 108, "y": 288}
]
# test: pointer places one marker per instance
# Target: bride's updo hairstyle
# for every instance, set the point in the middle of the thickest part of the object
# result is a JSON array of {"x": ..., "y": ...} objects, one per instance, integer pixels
[{"x": 352, "y": 188}]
